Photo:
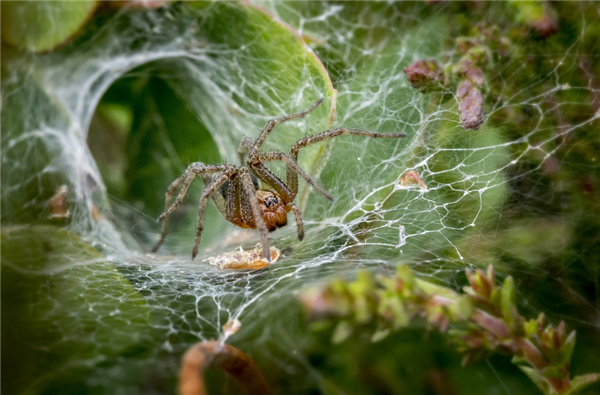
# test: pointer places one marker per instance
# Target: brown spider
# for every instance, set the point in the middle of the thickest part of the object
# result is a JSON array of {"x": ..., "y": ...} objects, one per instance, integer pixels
[{"x": 237, "y": 192}]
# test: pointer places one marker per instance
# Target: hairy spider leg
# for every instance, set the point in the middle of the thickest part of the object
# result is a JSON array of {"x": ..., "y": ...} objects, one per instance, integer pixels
[
  {"x": 256, "y": 211},
  {"x": 274, "y": 122},
  {"x": 208, "y": 191},
  {"x": 242, "y": 213},
  {"x": 291, "y": 177},
  {"x": 236, "y": 212},
  {"x": 292, "y": 165},
  {"x": 245, "y": 144},
  {"x": 266, "y": 176},
  {"x": 299, "y": 223},
  {"x": 186, "y": 179},
  {"x": 218, "y": 198}
]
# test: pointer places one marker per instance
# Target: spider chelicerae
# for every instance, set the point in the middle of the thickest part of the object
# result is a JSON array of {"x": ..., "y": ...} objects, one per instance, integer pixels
[{"x": 237, "y": 190}]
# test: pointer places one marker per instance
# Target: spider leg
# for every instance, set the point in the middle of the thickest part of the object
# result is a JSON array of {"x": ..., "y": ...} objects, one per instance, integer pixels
[
  {"x": 299, "y": 223},
  {"x": 209, "y": 190},
  {"x": 266, "y": 176},
  {"x": 293, "y": 165},
  {"x": 245, "y": 144},
  {"x": 274, "y": 122},
  {"x": 331, "y": 133},
  {"x": 292, "y": 177},
  {"x": 186, "y": 179},
  {"x": 256, "y": 211}
]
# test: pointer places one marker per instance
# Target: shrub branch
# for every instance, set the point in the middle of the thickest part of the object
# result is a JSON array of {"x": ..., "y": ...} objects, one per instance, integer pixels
[{"x": 484, "y": 320}]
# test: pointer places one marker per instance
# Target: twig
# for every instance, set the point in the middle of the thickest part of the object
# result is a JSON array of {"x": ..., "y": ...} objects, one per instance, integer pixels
[{"x": 213, "y": 354}]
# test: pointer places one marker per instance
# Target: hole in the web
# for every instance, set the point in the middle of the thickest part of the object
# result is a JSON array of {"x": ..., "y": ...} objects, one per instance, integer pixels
[{"x": 142, "y": 137}]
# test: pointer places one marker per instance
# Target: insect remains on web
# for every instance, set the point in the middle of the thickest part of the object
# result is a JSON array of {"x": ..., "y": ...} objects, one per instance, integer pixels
[{"x": 239, "y": 191}]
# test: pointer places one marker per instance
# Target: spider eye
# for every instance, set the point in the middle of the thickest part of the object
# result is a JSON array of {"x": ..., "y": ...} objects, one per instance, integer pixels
[{"x": 270, "y": 201}]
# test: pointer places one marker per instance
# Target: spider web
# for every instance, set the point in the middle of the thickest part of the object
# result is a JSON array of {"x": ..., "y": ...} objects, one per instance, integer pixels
[{"x": 472, "y": 196}]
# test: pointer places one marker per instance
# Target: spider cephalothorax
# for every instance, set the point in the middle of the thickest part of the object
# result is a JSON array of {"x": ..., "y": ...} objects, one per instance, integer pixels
[
  {"x": 237, "y": 192},
  {"x": 274, "y": 210}
]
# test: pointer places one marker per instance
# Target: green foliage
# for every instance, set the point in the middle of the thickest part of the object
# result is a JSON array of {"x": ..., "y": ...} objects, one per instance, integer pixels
[
  {"x": 486, "y": 314},
  {"x": 43, "y": 25},
  {"x": 536, "y": 14}
]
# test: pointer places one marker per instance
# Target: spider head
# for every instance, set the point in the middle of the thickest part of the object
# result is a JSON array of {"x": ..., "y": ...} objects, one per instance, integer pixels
[{"x": 273, "y": 209}]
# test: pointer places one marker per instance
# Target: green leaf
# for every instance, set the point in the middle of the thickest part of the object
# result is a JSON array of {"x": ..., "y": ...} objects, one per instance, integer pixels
[
  {"x": 342, "y": 331},
  {"x": 551, "y": 372},
  {"x": 462, "y": 309},
  {"x": 379, "y": 335},
  {"x": 519, "y": 361},
  {"x": 566, "y": 351},
  {"x": 535, "y": 13},
  {"x": 69, "y": 310},
  {"x": 362, "y": 309},
  {"x": 404, "y": 273},
  {"x": 364, "y": 282},
  {"x": 509, "y": 310},
  {"x": 579, "y": 383},
  {"x": 537, "y": 379},
  {"x": 434, "y": 289},
  {"x": 43, "y": 25},
  {"x": 536, "y": 241},
  {"x": 392, "y": 308}
]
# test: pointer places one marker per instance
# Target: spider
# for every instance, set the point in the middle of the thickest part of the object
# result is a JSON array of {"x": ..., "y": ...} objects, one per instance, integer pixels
[{"x": 237, "y": 190}]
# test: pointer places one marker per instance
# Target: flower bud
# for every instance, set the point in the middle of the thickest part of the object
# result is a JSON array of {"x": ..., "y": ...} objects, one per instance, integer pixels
[
  {"x": 424, "y": 74},
  {"x": 470, "y": 106}
]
